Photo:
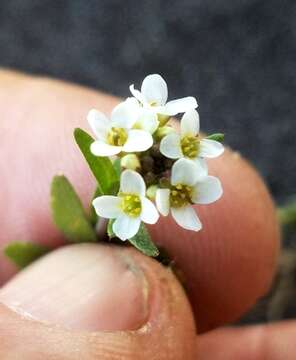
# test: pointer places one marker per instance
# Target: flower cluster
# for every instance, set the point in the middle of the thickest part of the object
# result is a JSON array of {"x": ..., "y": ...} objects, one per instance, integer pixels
[{"x": 162, "y": 170}]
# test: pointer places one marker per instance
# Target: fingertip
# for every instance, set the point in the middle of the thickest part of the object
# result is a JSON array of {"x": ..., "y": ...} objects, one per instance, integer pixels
[
  {"x": 230, "y": 263},
  {"x": 72, "y": 294}
]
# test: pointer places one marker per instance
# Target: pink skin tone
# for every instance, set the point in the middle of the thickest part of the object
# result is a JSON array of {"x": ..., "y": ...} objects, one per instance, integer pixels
[{"x": 226, "y": 266}]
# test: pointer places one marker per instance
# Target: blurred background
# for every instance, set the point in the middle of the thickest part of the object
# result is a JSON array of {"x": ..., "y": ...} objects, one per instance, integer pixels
[{"x": 237, "y": 57}]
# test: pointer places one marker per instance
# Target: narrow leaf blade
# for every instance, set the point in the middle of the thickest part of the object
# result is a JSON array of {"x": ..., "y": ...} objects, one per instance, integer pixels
[
  {"x": 68, "y": 213},
  {"x": 117, "y": 167},
  {"x": 101, "y": 167},
  {"x": 23, "y": 254},
  {"x": 142, "y": 241},
  {"x": 93, "y": 215},
  {"x": 217, "y": 137}
]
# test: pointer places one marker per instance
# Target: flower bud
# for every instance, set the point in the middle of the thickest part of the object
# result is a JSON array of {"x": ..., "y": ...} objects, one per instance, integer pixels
[
  {"x": 151, "y": 192},
  {"x": 147, "y": 163},
  {"x": 131, "y": 162},
  {"x": 163, "y": 131}
]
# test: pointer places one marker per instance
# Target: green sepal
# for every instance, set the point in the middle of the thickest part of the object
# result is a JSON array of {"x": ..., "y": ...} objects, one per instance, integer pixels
[
  {"x": 110, "y": 231},
  {"x": 217, "y": 137},
  {"x": 101, "y": 167},
  {"x": 142, "y": 241},
  {"x": 23, "y": 254},
  {"x": 68, "y": 213}
]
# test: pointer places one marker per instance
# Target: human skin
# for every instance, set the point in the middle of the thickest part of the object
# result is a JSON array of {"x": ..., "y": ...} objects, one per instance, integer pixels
[{"x": 226, "y": 267}]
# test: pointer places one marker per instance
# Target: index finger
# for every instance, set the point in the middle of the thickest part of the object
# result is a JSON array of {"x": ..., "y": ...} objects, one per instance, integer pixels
[{"x": 226, "y": 266}]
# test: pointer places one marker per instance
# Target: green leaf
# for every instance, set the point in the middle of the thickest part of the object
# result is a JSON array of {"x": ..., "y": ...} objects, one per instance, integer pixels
[
  {"x": 68, "y": 213},
  {"x": 24, "y": 253},
  {"x": 110, "y": 231},
  {"x": 93, "y": 215},
  {"x": 217, "y": 137},
  {"x": 101, "y": 167},
  {"x": 142, "y": 241},
  {"x": 287, "y": 214},
  {"x": 117, "y": 166}
]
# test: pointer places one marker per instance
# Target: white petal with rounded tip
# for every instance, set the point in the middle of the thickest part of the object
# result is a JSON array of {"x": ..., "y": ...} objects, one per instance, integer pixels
[
  {"x": 177, "y": 106},
  {"x": 186, "y": 217},
  {"x": 201, "y": 167},
  {"x": 99, "y": 123},
  {"x": 132, "y": 182},
  {"x": 162, "y": 201},
  {"x": 100, "y": 148},
  {"x": 170, "y": 146},
  {"x": 124, "y": 115},
  {"x": 131, "y": 101},
  {"x": 185, "y": 172},
  {"x": 190, "y": 123},
  {"x": 137, "y": 94},
  {"x": 207, "y": 190},
  {"x": 107, "y": 206},
  {"x": 154, "y": 89},
  {"x": 149, "y": 213},
  {"x": 138, "y": 140},
  {"x": 210, "y": 148},
  {"x": 125, "y": 227},
  {"x": 147, "y": 120}
]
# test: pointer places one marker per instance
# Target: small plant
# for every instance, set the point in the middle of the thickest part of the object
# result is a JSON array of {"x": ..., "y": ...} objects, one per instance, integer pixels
[{"x": 144, "y": 168}]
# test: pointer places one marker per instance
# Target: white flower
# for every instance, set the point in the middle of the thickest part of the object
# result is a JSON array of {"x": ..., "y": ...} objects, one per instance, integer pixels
[
  {"x": 187, "y": 188},
  {"x": 154, "y": 94},
  {"x": 146, "y": 118},
  {"x": 118, "y": 134},
  {"x": 188, "y": 144},
  {"x": 129, "y": 208}
]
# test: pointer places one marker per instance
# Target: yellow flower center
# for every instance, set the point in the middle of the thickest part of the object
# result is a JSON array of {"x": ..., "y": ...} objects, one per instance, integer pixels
[
  {"x": 180, "y": 195},
  {"x": 131, "y": 204},
  {"x": 190, "y": 146},
  {"x": 117, "y": 136}
]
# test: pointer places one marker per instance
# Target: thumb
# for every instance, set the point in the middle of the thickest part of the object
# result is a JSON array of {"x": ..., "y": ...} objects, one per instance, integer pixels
[{"x": 58, "y": 308}]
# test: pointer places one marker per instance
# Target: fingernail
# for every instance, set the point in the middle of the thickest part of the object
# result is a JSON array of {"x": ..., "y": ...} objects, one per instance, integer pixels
[{"x": 83, "y": 287}]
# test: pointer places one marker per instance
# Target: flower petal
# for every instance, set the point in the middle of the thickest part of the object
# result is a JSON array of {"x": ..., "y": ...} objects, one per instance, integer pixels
[
  {"x": 132, "y": 182},
  {"x": 107, "y": 206},
  {"x": 177, "y": 106},
  {"x": 124, "y": 115},
  {"x": 154, "y": 89},
  {"x": 125, "y": 227},
  {"x": 207, "y": 190},
  {"x": 138, "y": 140},
  {"x": 147, "y": 120},
  {"x": 210, "y": 148},
  {"x": 149, "y": 213},
  {"x": 100, "y": 148},
  {"x": 99, "y": 123},
  {"x": 190, "y": 123},
  {"x": 185, "y": 172},
  {"x": 137, "y": 94},
  {"x": 162, "y": 200},
  {"x": 202, "y": 166},
  {"x": 170, "y": 146},
  {"x": 186, "y": 217}
]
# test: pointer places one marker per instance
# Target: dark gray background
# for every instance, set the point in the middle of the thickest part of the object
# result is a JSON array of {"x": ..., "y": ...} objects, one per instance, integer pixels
[{"x": 236, "y": 57}]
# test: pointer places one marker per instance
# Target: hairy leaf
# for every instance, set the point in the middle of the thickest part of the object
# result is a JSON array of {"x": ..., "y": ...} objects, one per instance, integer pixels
[
  {"x": 142, "y": 241},
  {"x": 101, "y": 167},
  {"x": 68, "y": 213},
  {"x": 217, "y": 137},
  {"x": 24, "y": 253}
]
